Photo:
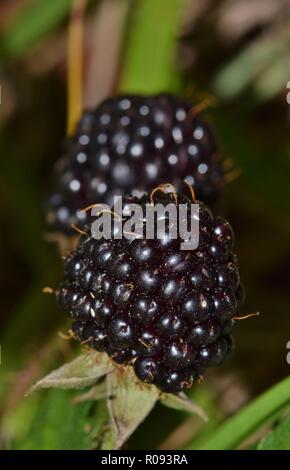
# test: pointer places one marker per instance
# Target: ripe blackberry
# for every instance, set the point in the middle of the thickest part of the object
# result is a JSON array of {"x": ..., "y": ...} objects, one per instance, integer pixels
[
  {"x": 128, "y": 145},
  {"x": 167, "y": 312}
]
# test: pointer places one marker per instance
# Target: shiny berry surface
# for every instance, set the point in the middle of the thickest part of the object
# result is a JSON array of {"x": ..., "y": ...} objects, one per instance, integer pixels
[{"x": 166, "y": 312}]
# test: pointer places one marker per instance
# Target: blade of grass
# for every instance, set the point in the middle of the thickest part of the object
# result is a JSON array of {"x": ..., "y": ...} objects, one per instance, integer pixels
[
  {"x": 232, "y": 433},
  {"x": 251, "y": 64},
  {"x": 32, "y": 24},
  {"x": 279, "y": 438},
  {"x": 149, "y": 60}
]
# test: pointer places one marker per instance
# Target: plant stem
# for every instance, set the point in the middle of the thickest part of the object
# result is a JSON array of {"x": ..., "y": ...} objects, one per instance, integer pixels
[{"x": 75, "y": 63}]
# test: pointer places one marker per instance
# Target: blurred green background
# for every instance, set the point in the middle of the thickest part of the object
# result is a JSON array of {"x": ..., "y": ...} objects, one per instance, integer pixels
[{"x": 235, "y": 50}]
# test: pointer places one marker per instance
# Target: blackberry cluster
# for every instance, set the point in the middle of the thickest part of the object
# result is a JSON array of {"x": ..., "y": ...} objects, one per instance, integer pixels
[
  {"x": 166, "y": 311},
  {"x": 128, "y": 145}
]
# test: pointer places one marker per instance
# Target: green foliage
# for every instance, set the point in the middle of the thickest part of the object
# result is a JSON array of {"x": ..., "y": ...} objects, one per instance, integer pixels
[
  {"x": 262, "y": 64},
  {"x": 279, "y": 438},
  {"x": 183, "y": 403},
  {"x": 123, "y": 392},
  {"x": 38, "y": 19},
  {"x": 82, "y": 372},
  {"x": 59, "y": 424},
  {"x": 235, "y": 430},
  {"x": 149, "y": 59}
]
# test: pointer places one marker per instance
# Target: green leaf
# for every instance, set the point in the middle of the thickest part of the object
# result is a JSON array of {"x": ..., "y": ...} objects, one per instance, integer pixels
[
  {"x": 82, "y": 372},
  {"x": 149, "y": 60},
  {"x": 183, "y": 403},
  {"x": 279, "y": 438},
  {"x": 251, "y": 63},
  {"x": 61, "y": 425},
  {"x": 129, "y": 402},
  {"x": 232, "y": 433},
  {"x": 272, "y": 81},
  {"x": 36, "y": 21}
]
